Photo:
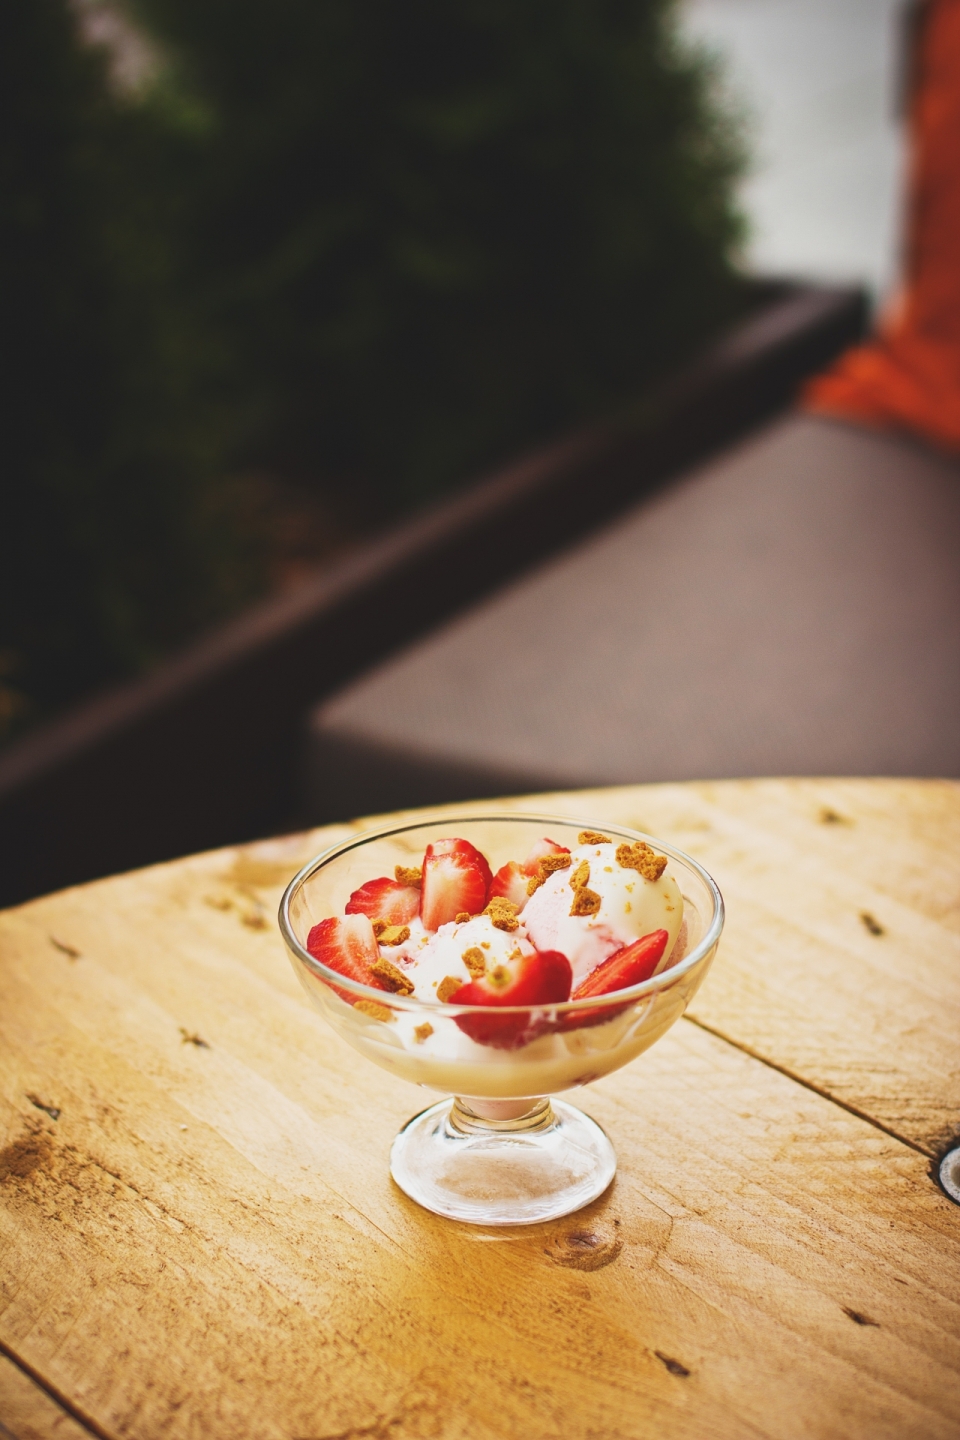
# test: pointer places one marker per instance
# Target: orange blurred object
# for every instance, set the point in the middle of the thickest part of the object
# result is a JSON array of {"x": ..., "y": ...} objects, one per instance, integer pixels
[{"x": 909, "y": 375}]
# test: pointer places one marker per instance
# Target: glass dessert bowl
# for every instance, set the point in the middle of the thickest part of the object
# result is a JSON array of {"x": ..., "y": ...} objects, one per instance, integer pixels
[{"x": 504, "y": 958}]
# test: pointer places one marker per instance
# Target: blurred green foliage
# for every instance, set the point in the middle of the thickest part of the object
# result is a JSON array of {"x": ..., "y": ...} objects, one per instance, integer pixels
[
  {"x": 111, "y": 547},
  {"x": 371, "y": 247},
  {"x": 434, "y": 232}
]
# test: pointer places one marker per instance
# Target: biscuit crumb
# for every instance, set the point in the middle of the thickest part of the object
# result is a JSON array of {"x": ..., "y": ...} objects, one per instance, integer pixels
[
  {"x": 423, "y": 1032},
  {"x": 392, "y": 977},
  {"x": 475, "y": 961},
  {"x": 503, "y": 913},
  {"x": 375, "y": 1011},
  {"x": 447, "y": 987},
  {"x": 378, "y": 927},
  {"x": 546, "y": 865},
  {"x": 408, "y": 875},
  {"x": 463, "y": 917},
  {"x": 593, "y": 837},
  {"x": 394, "y": 934},
  {"x": 580, "y": 876},
  {"x": 585, "y": 902},
  {"x": 641, "y": 858}
]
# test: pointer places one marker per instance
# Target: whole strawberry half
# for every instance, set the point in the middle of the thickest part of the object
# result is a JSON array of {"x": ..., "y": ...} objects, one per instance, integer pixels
[
  {"x": 629, "y": 966},
  {"x": 540, "y": 979},
  {"x": 387, "y": 900},
  {"x": 349, "y": 946},
  {"x": 456, "y": 881}
]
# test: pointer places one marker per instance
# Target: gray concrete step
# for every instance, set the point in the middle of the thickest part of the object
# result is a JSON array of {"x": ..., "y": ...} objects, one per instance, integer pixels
[{"x": 790, "y": 607}]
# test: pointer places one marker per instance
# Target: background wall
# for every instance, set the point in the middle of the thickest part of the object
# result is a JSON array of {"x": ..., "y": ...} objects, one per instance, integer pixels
[{"x": 820, "y": 81}]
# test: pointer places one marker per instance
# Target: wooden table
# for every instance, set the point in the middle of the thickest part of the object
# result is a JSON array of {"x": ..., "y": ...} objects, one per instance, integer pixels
[{"x": 199, "y": 1236}]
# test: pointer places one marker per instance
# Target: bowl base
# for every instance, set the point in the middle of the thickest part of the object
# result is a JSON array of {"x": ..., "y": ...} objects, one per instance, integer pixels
[{"x": 547, "y": 1162}]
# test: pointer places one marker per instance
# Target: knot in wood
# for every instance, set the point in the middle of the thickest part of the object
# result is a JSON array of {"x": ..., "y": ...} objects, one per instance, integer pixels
[{"x": 588, "y": 1248}]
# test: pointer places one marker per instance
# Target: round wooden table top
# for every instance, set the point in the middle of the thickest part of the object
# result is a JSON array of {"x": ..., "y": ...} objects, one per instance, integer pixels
[{"x": 199, "y": 1236}]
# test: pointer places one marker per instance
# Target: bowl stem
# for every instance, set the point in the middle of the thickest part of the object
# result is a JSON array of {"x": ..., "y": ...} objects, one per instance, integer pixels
[
  {"x": 474, "y": 1115},
  {"x": 547, "y": 1161}
]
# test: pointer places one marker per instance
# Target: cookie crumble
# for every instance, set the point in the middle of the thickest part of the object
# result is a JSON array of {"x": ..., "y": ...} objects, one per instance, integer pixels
[
  {"x": 392, "y": 977},
  {"x": 375, "y": 1011},
  {"x": 585, "y": 902},
  {"x": 546, "y": 865},
  {"x": 503, "y": 913},
  {"x": 580, "y": 876},
  {"x": 475, "y": 961},
  {"x": 641, "y": 858},
  {"x": 394, "y": 934}
]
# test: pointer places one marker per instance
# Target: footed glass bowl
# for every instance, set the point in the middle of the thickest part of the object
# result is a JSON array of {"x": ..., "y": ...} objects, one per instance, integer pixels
[{"x": 502, "y": 1152}]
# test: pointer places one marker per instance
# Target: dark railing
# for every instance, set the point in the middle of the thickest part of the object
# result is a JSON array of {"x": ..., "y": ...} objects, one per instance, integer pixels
[{"x": 203, "y": 752}]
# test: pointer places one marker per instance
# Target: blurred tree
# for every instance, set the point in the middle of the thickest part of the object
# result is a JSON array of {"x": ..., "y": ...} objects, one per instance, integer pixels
[
  {"x": 368, "y": 246},
  {"x": 113, "y": 545},
  {"x": 432, "y": 233}
]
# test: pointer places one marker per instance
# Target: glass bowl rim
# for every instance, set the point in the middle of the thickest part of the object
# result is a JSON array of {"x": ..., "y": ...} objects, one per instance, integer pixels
[{"x": 661, "y": 981}]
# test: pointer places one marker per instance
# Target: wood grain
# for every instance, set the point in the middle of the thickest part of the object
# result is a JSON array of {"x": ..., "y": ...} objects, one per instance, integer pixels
[
  {"x": 27, "y": 1412},
  {"x": 205, "y": 1240}
]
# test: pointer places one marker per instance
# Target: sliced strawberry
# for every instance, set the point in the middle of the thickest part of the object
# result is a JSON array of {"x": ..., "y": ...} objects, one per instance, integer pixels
[
  {"x": 348, "y": 945},
  {"x": 629, "y": 966},
  {"x": 539, "y": 979},
  {"x": 626, "y": 967},
  {"x": 541, "y": 848},
  {"x": 456, "y": 881},
  {"x": 510, "y": 883},
  {"x": 384, "y": 899}
]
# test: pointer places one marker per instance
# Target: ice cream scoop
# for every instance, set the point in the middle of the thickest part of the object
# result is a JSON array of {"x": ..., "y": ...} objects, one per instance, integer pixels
[
  {"x": 600, "y": 902},
  {"x": 459, "y": 951}
]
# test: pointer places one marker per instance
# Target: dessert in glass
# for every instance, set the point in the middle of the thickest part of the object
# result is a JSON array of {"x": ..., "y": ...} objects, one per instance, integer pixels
[{"x": 503, "y": 958}]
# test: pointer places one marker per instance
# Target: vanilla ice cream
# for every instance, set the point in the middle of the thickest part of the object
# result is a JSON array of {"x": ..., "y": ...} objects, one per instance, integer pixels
[
  {"x": 630, "y": 906},
  {"x": 428, "y": 959}
]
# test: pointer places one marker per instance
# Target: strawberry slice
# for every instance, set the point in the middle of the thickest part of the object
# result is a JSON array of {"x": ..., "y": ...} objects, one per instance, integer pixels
[
  {"x": 385, "y": 899},
  {"x": 626, "y": 967},
  {"x": 349, "y": 946},
  {"x": 540, "y": 850},
  {"x": 456, "y": 881},
  {"x": 510, "y": 883},
  {"x": 540, "y": 979}
]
